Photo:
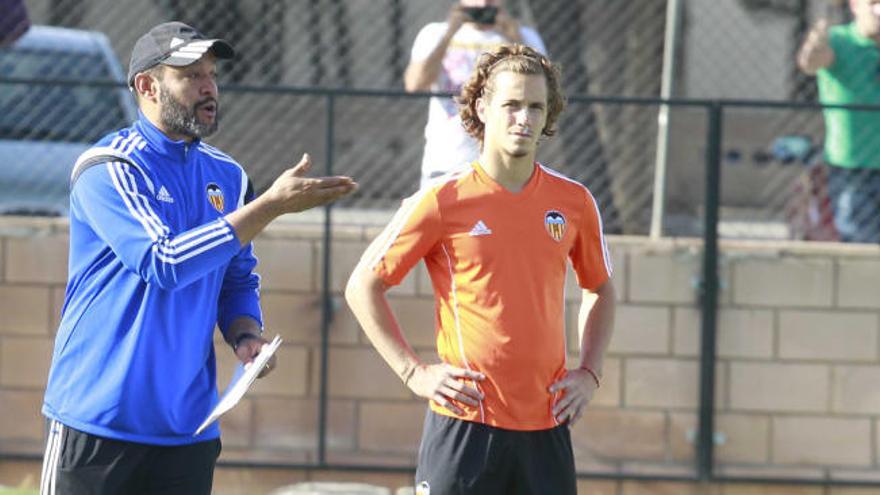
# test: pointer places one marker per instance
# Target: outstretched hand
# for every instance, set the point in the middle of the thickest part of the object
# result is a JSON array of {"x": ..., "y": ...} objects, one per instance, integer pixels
[
  {"x": 446, "y": 385},
  {"x": 578, "y": 387},
  {"x": 292, "y": 191}
]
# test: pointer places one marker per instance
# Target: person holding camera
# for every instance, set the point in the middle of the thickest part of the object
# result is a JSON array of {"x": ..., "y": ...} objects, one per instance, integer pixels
[
  {"x": 845, "y": 59},
  {"x": 443, "y": 57}
]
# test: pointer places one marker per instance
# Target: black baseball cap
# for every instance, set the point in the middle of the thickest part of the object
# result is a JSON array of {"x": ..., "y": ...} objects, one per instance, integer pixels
[{"x": 176, "y": 44}]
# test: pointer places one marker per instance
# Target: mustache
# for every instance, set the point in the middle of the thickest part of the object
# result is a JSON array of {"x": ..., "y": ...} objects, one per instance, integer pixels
[{"x": 207, "y": 101}]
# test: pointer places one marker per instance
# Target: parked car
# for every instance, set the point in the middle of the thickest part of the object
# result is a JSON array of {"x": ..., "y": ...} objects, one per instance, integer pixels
[{"x": 45, "y": 127}]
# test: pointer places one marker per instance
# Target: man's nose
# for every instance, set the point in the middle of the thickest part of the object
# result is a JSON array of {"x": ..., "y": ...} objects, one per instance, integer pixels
[{"x": 209, "y": 88}]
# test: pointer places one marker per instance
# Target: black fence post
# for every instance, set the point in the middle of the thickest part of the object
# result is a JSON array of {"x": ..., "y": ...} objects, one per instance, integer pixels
[
  {"x": 709, "y": 294},
  {"x": 326, "y": 297}
]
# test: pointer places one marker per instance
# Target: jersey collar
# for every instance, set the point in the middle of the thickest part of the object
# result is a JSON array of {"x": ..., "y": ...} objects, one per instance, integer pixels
[
  {"x": 159, "y": 142},
  {"x": 494, "y": 186}
]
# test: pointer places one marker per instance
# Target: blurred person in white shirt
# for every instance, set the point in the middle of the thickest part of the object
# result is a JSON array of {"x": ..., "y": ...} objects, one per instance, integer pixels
[{"x": 443, "y": 57}]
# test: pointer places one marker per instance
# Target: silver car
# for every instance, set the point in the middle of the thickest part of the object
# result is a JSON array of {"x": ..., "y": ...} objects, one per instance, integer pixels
[{"x": 44, "y": 127}]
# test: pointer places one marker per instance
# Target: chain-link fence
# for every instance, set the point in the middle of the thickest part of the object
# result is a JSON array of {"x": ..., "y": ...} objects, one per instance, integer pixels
[
  {"x": 724, "y": 49},
  {"x": 370, "y": 129},
  {"x": 730, "y": 48}
]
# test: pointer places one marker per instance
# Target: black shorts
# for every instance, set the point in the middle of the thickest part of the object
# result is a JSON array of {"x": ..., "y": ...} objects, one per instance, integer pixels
[
  {"x": 460, "y": 457},
  {"x": 77, "y": 463}
]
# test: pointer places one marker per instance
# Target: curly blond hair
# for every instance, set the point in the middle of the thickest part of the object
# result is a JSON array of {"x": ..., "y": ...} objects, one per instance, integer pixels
[{"x": 515, "y": 58}]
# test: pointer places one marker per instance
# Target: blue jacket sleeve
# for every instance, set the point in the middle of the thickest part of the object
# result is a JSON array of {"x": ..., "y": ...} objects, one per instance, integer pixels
[
  {"x": 113, "y": 199},
  {"x": 240, "y": 294}
]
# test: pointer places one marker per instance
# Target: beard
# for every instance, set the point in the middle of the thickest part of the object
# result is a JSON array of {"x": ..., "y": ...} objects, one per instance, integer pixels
[{"x": 179, "y": 119}]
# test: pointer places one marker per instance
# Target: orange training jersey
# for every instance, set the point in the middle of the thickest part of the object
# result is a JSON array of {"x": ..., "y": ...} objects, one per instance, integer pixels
[{"x": 497, "y": 262}]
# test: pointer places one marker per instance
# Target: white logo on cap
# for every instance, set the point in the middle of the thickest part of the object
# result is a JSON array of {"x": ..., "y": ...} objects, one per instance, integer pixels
[{"x": 175, "y": 41}]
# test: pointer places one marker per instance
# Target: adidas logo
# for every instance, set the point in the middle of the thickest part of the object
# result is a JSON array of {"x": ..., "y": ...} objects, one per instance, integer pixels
[
  {"x": 480, "y": 229},
  {"x": 164, "y": 195}
]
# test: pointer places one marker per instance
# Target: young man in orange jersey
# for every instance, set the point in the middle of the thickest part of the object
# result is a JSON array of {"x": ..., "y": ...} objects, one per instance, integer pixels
[{"x": 496, "y": 237}]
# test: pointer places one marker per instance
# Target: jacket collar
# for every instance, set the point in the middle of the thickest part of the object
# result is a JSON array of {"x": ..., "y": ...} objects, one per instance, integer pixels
[{"x": 161, "y": 143}]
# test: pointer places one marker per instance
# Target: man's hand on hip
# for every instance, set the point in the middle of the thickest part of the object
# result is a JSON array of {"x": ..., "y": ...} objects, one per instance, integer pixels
[
  {"x": 445, "y": 384},
  {"x": 578, "y": 386}
]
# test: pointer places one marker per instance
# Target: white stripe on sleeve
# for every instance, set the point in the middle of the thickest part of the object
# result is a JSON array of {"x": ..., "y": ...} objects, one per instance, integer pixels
[
  {"x": 606, "y": 256},
  {"x": 175, "y": 251},
  {"x": 126, "y": 199},
  {"x": 378, "y": 248},
  {"x": 141, "y": 201}
]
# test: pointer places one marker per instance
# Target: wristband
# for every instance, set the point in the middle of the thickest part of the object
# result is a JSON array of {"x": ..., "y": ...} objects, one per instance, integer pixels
[
  {"x": 241, "y": 338},
  {"x": 592, "y": 373}
]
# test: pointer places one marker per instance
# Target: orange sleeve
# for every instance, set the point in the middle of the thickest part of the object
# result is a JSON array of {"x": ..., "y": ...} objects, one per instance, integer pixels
[
  {"x": 589, "y": 255},
  {"x": 412, "y": 233}
]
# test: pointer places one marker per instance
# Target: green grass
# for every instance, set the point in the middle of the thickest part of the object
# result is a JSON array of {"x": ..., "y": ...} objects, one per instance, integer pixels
[{"x": 17, "y": 491}]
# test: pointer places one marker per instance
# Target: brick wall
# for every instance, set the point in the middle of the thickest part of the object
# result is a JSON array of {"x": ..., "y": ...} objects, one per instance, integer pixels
[{"x": 797, "y": 374}]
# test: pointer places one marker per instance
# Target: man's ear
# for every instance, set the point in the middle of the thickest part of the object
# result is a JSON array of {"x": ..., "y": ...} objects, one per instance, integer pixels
[
  {"x": 147, "y": 87},
  {"x": 481, "y": 108}
]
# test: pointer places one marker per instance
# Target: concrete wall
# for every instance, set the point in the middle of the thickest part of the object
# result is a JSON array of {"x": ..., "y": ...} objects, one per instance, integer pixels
[{"x": 798, "y": 345}]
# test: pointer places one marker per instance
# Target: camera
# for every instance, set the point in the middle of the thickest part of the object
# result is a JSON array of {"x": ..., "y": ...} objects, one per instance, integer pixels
[{"x": 481, "y": 15}]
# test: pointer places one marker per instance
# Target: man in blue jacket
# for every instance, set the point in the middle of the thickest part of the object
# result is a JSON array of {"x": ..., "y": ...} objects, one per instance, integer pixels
[{"x": 161, "y": 225}]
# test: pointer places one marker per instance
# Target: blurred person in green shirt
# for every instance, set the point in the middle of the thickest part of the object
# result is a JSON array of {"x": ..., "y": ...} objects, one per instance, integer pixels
[{"x": 846, "y": 62}]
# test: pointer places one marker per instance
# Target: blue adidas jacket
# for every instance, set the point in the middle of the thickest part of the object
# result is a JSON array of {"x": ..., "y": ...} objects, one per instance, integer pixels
[{"x": 153, "y": 268}]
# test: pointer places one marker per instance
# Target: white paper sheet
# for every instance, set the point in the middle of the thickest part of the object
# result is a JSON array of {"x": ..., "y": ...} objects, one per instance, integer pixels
[{"x": 240, "y": 383}]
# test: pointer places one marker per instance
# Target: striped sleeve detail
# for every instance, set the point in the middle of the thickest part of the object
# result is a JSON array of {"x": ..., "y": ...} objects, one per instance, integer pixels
[
  {"x": 168, "y": 250},
  {"x": 137, "y": 203},
  {"x": 606, "y": 255},
  {"x": 120, "y": 147},
  {"x": 385, "y": 240},
  {"x": 135, "y": 142},
  {"x": 127, "y": 144},
  {"x": 382, "y": 244}
]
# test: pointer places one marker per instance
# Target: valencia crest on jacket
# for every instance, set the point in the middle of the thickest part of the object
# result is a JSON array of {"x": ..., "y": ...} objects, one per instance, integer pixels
[
  {"x": 554, "y": 222},
  {"x": 215, "y": 196}
]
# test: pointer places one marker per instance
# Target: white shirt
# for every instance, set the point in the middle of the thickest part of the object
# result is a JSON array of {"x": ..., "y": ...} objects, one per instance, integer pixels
[{"x": 447, "y": 144}]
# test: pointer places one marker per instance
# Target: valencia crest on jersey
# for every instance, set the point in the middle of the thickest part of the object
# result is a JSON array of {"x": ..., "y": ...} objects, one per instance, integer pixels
[
  {"x": 215, "y": 196},
  {"x": 554, "y": 222}
]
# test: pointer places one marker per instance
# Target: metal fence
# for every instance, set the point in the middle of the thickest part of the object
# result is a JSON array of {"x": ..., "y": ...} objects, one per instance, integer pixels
[
  {"x": 735, "y": 169},
  {"x": 720, "y": 49},
  {"x": 767, "y": 151},
  {"x": 716, "y": 188}
]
